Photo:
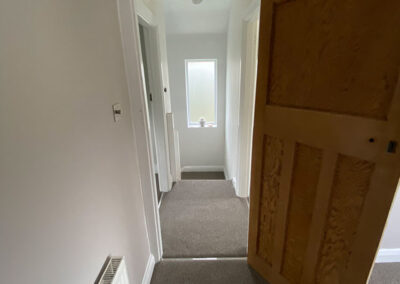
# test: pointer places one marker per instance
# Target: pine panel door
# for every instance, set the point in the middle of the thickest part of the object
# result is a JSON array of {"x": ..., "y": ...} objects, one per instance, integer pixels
[{"x": 325, "y": 165}]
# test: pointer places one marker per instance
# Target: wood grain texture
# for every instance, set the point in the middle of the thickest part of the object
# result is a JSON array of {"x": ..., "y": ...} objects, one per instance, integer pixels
[
  {"x": 320, "y": 213},
  {"x": 306, "y": 169},
  {"x": 271, "y": 172},
  {"x": 326, "y": 79},
  {"x": 346, "y": 50},
  {"x": 283, "y": 204},
  {"x": 350, "y": 187}
]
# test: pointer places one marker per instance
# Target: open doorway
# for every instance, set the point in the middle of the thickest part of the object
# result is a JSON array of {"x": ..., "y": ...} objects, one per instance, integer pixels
[
  {"x": 149, "y": 97},
  {"x": 212, "y": 76},
  {"x": 155, "y": 105}
]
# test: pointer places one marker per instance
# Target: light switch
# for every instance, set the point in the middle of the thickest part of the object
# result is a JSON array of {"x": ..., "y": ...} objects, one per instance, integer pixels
[{"x": 117, "y": 111}]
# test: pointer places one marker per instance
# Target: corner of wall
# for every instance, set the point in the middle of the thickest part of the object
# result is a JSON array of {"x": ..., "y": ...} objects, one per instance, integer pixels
[
  {"x": 226, "y": 172},
  {"x": 234, "y": 184}
]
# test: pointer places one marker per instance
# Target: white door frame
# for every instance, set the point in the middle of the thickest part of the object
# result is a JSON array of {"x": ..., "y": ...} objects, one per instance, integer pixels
[
  {"x": 246, "y": 112},
  {"x": 140, "y": 120}
]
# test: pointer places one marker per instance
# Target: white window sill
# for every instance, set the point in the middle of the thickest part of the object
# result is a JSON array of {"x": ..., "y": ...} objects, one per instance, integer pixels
[{"x": 206, "y": 126}]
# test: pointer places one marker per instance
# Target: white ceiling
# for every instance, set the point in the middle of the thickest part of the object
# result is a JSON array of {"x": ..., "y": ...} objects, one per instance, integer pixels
[{"x": 183, "y": 17}]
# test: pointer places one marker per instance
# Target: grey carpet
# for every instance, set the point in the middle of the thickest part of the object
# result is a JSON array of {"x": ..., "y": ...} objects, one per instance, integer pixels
[
  {"x": 385, "y": 273},
  {"x": 203, "y": 218},
  {"x": 202, "y": 175},
  {"x": 237, "y": 271},
  {"x": 205, "y": 272}
]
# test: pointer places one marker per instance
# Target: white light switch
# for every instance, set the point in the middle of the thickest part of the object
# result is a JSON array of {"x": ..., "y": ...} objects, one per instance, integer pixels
[{"x": 117, "y": 111}]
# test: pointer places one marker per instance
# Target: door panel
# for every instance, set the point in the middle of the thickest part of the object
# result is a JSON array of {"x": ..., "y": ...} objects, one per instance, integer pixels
[
  {"x": 327, "y": 104},
  {"x": 271, "y": 169},
  {"x": 337, "y": 48},
  {"x": 306, "y": 169},
  {"x": 349, "y": 188}
]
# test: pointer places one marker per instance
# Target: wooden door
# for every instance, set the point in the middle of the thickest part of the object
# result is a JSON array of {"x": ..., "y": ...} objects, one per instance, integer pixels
[{"x": 325, "y": 164}]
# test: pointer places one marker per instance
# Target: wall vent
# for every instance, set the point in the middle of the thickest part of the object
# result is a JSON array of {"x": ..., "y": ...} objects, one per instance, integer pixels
[{"x": 114, "y": 271}]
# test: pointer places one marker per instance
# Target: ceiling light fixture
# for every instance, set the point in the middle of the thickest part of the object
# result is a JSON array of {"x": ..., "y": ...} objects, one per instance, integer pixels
[{"x": 197, "y": 1}]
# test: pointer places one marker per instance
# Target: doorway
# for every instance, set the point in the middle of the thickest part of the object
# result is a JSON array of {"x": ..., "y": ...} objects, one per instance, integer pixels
[
  {"x": 206, "y": 214},
  {"x": 150, "y": 106},
  {"x": 155, "y": 105}
]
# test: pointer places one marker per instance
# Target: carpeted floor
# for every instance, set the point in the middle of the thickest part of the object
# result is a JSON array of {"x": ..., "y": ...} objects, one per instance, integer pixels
[
  {"x": 204, "y": 218},
  {"x": 385, "y": 273},
  {"x": 202, "y": 175},
  {"x": 205, "y": 272},
  {"x": 237, "y": 271}
]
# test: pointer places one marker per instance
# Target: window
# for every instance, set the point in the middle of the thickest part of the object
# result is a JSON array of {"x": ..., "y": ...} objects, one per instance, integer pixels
[{"x": 201, "y": 92}]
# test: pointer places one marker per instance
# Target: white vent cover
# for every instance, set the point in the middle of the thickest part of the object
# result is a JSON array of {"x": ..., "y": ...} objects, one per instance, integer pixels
[{"x": 115, "y": 272}]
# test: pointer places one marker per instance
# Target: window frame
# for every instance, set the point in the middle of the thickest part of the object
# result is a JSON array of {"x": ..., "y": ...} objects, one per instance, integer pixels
[{"x": 197, "y": 125}]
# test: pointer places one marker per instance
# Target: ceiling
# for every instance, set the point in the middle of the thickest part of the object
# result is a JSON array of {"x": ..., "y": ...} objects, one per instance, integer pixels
[{"x": 184, "y": 17}]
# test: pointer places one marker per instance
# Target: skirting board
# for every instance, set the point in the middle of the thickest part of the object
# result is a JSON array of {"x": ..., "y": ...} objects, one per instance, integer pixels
[
  {"x": 203, "y": 169},
  {"x": 148, "y": 273},
  {"x": 388, "y": 255}
]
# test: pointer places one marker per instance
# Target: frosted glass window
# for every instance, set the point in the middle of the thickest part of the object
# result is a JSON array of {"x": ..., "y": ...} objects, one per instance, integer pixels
[{"x": 201, "y": 92}]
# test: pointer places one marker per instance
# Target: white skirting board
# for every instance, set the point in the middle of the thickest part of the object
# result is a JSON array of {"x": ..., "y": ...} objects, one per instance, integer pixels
[
  {"x": 388, "y": 255},
  {"x": 149, "y": 270},
  {"x": 203, "y": 169}
]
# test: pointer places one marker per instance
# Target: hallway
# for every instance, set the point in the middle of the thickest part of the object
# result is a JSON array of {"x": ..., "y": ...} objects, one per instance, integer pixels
[
  {"x": 204, "y": 230},
  {"x": 204, "y": 218}
]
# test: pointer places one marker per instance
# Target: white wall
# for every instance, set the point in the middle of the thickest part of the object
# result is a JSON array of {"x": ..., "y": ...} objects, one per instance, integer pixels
[
  {"x": 233, "y": 77},
  {"x": 247, "y": 101},
  {"x": 391, "y": 235},
  {"x": 69, "y": 184},
  {"x": 198, "y": 146}
]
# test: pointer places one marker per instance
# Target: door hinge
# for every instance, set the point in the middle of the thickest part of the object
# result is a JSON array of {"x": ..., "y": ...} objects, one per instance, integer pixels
[{"x": 151, "y": 97}]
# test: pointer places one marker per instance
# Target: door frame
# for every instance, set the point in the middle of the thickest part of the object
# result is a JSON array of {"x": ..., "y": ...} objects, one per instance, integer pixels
[
  {"x": 246, "y": 110},
  {"x": 129, "y": 27}
]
